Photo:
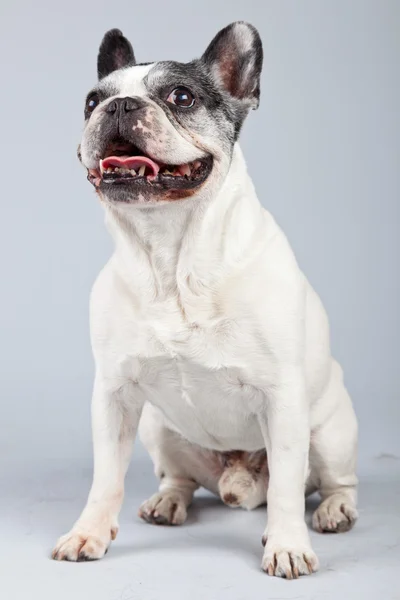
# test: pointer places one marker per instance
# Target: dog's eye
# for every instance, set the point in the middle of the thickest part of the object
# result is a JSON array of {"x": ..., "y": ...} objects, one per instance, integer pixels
[
  {"x": 91, "y": 103},
  {"x": 182, "y": 97}
]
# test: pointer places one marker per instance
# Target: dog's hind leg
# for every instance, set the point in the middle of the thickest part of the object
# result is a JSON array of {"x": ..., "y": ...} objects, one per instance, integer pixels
[
  {"x": 333, "y": 456},
  {"x": 181, "y": 467}
]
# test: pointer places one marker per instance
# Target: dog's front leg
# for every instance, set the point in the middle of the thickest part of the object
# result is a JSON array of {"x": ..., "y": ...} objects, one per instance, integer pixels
[
  {"x": 284, "y": 421},
  {"x": 115, "y": 419}
]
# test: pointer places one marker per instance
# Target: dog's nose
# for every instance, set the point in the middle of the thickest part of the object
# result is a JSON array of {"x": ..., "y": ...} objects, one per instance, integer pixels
[{"x": 122, "y": 105}]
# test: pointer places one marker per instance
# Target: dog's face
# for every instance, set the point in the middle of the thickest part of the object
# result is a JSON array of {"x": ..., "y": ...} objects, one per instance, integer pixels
[{"x": 165, "y": 131}]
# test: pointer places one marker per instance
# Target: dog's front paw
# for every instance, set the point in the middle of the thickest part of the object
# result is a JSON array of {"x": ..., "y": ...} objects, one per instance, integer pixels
[
  {"x": 289, "y": 561},
  {"x": 82, "y": 545}
]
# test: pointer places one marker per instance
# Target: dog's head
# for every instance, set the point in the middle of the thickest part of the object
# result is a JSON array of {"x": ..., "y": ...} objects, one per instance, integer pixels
[{"x": 166, "y": 130}]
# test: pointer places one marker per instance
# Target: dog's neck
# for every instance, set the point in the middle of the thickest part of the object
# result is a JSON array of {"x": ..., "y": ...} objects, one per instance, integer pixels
[{"x": 189, "y": 244}]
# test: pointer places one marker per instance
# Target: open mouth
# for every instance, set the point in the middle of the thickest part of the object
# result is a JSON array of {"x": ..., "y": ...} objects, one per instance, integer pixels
[{"x": 125, "y": 164}]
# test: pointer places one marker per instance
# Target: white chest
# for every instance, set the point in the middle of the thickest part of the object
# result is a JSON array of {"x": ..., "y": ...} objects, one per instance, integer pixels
[{"x": 198, "y": 377}]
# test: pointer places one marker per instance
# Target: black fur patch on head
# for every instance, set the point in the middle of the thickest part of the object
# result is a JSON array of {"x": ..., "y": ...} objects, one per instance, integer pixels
[
  {"x": 115, "y": 53},
  {"x": 235, "y": 58},
  {"x": 169, "y": 74},
  {"x": 214, "y": 111}
]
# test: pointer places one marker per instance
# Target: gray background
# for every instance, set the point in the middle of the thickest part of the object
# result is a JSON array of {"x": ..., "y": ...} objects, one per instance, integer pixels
[{"x": 323, "y": 150}]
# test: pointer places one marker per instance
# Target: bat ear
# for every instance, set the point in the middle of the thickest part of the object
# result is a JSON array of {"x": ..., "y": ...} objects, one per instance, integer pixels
[
  {"x": 115, "y": 53},
  {"x": 235, "y": 58}
]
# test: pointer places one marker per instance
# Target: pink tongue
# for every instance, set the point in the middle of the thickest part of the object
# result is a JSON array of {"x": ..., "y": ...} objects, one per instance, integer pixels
[{"x": 131, "y": 162}]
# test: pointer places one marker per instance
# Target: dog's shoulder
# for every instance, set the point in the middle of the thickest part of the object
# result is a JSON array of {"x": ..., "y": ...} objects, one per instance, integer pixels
[{"x": 112, "y": 306}]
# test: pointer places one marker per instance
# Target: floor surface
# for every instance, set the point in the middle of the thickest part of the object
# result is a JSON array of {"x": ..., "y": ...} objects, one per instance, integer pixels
[{"x": 215, "y": 556}]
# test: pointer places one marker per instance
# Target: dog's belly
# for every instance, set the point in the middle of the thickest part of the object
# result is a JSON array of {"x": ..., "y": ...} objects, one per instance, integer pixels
[{"x": 211, "y": 408}]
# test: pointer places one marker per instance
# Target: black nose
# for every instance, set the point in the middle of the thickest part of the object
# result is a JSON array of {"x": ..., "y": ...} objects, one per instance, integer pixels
[{"x": 122, "y": 105}]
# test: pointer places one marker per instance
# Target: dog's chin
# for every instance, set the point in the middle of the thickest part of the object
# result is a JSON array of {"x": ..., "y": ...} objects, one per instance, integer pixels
[{"x": 127, "y": 174}]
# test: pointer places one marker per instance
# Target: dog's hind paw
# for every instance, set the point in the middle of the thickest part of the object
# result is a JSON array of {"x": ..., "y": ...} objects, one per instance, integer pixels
[
  {"x": 164, "y": 508},
  {"x": 336, "y": 514}
]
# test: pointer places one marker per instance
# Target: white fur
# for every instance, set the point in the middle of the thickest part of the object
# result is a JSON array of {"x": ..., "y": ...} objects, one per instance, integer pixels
[{"x": 203, "y": 316}]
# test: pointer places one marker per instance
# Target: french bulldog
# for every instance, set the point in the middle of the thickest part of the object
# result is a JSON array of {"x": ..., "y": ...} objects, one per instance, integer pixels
[{"x": 203, "y": 327}]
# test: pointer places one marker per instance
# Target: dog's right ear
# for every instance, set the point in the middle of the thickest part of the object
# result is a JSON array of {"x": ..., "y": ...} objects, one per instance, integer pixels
[{"x": 115, "y": 53}]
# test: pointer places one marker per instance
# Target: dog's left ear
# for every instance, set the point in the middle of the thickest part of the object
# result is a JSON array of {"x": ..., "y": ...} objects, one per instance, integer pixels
[
  {"x": 115, "y": 52},
  {"x": 235, "y": 58}
]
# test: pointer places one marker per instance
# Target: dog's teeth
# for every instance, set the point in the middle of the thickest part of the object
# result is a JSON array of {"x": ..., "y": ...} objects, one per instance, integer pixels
[
  {"x": 196, "y": 164},
  {"x": 185, "y": 170},
  {"x": 167, "y": 172},
  {"x": 132, "y": 172},
  {"x": 142, "y": 170}
]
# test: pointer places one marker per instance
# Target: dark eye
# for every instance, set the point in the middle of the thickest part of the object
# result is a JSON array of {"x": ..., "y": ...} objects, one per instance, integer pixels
[
  {"x": 257, "y": 470},
  {"x": 182, "y": 97},
  {"x": 91, "y": 103}
]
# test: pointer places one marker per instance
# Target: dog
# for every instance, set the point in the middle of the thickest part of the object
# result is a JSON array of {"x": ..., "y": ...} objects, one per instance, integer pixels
[{"x": 203, "y": 327}]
